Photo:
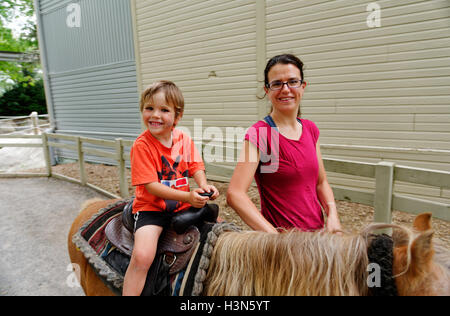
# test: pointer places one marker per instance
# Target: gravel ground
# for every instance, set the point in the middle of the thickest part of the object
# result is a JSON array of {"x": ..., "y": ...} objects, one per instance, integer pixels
[
  {"x": 36, "y": 218},
  {"x": 353, "y": 216}
]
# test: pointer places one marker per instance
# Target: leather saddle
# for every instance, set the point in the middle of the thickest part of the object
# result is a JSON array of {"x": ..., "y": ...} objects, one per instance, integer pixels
[{"x": 175, "y": 244}]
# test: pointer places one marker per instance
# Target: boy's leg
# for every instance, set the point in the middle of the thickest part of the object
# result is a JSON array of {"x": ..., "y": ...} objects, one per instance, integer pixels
[{"x": 144, "y": 250}]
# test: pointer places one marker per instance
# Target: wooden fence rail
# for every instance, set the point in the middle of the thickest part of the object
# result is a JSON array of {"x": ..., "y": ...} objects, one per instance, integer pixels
[{"x": 384, "y": 173}]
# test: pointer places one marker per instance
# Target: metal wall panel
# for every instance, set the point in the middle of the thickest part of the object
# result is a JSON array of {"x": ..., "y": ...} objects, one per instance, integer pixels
[
  {"x": 102, "y": 101},
  {"x": 90, "y": 68},
  {"x": 104, "y": 35}
]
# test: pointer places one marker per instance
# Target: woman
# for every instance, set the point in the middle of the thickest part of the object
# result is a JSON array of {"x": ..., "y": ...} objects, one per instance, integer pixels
[{"x": 283, "y": 154}]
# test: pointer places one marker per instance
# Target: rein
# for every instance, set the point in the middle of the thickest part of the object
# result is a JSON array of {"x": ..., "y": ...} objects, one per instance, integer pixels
[{"x": 380, "y": 252}]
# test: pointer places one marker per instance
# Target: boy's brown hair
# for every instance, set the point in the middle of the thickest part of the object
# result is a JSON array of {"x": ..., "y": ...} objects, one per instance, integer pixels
[{"x": 171, "y": 92}]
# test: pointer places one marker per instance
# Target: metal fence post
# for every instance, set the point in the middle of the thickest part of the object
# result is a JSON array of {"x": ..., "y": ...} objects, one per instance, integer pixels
[
  {"x": 122, "y": 174},
  {"x": 384, "y": 184}
]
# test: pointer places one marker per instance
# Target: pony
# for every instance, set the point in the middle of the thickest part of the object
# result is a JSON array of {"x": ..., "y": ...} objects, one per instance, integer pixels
[{"x": 302, "y": 263}]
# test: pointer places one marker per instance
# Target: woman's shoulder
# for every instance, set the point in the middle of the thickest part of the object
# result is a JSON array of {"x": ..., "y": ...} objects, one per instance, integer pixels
[
  {"x": 312, "y": 127},
  {"x": 306, "y": 122},
  {"x": 254, "y": 130},
  {"x": 260, "y": 123}
]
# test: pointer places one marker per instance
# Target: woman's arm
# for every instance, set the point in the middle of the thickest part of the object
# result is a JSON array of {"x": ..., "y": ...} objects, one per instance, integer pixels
[
  {"x": 241, "y": 180},
  {"x": 326, "y": 196}
]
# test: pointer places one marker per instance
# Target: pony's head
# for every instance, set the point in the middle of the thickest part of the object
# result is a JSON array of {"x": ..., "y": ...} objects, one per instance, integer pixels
[{"x": 421, "y": 266}]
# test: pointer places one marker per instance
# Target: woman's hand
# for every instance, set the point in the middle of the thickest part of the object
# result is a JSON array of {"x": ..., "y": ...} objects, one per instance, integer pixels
[{"x": 333, "y": 223}]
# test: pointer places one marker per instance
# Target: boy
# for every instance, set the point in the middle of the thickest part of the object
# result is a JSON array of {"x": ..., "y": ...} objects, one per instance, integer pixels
[{"x": 162, "y": 160}]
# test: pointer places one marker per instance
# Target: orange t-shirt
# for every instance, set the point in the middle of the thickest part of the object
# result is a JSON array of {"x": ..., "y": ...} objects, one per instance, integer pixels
[{"x": 153, "y": 162}]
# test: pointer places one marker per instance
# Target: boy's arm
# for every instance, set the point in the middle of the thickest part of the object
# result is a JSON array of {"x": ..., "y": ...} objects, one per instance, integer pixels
[
  {"x": 164, "y": 192},
  {"x": 200, "y": 178}
]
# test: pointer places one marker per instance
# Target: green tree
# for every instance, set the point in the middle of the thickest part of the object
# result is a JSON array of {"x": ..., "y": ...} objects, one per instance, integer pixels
[
  {"x": 25, "y": 41},
  {"x": 20, "y": 83},
  {"x": 21, "y": 100}
]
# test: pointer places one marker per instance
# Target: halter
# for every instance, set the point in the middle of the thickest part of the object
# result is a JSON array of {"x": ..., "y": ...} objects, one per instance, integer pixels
[{"x": 380, "y": 252}]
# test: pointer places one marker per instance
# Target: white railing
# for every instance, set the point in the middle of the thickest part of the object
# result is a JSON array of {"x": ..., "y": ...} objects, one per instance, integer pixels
[
  {"x": 383, "y": 199},
  {"x": 34, "y": 124},
  {"x": 384, "y": 173},
  {"x": 78, "y": 145}
]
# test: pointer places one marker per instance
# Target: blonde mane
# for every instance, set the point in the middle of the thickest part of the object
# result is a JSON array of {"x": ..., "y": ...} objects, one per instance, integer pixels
[{"x": 255, "y": 263}]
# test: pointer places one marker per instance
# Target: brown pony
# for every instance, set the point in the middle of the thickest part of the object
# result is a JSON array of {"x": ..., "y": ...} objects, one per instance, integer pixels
[{"x": 298, "y": 263}]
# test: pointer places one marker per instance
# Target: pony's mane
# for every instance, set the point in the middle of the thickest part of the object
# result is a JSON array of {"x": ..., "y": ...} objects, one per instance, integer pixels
[{"x": 291, "y": 263}]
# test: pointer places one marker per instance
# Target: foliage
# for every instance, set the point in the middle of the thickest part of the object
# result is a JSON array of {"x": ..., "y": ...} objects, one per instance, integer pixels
[
  {"x": 11, "y": 11},
  {"x": 22, "y": 100},
  {"x": 20, "y": 82}
]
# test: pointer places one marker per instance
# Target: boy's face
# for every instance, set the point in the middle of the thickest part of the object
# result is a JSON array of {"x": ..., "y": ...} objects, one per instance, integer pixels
[{"x": 159, "y": 117}]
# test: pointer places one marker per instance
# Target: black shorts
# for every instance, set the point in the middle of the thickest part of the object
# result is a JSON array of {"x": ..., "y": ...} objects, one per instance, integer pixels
[{"x": 146, "y": 218}]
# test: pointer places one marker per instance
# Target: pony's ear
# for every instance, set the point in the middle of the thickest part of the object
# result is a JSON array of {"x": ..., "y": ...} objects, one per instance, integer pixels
[
  {"x": 422, "y": 250},
  {"x": 422, "y": 222}
]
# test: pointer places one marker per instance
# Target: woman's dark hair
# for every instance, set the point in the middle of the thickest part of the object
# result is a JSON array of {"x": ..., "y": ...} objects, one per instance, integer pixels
[
  {"x": 282, "y": 59},
  {"x": 285, "y": 59}
]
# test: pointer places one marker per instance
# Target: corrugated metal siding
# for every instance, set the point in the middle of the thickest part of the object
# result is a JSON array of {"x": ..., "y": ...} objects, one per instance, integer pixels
[
  {"x": 386, "y": 86},
  {"x": 101, "y": 100},
  {"x": 105, "y": 35},
  {"x": 91, "y": 69},
  {"x": 208, "y": 49}
]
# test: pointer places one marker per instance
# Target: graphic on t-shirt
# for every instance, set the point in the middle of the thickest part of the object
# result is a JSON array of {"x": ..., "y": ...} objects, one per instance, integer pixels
[{"x": 173, "y": 178}]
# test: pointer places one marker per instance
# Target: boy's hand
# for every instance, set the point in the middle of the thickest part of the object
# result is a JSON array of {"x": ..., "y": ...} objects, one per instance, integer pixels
[
  {"x": 210, "y": 188},
  {"x": 196, "y": 200}
]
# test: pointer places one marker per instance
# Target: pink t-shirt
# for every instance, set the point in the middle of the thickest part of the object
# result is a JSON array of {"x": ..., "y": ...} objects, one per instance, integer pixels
[{"x": 287, "y": 176}]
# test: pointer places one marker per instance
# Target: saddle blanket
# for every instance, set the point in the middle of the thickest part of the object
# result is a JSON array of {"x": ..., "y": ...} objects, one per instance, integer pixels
[{"x": 110, "y": 263}]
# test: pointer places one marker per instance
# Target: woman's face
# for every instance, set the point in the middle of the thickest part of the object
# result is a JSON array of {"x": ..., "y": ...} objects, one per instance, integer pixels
[{"x": 287, "y": 99}]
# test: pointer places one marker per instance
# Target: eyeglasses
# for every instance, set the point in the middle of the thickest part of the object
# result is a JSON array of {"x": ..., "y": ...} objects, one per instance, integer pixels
[{"x": 278, "y": 85}]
